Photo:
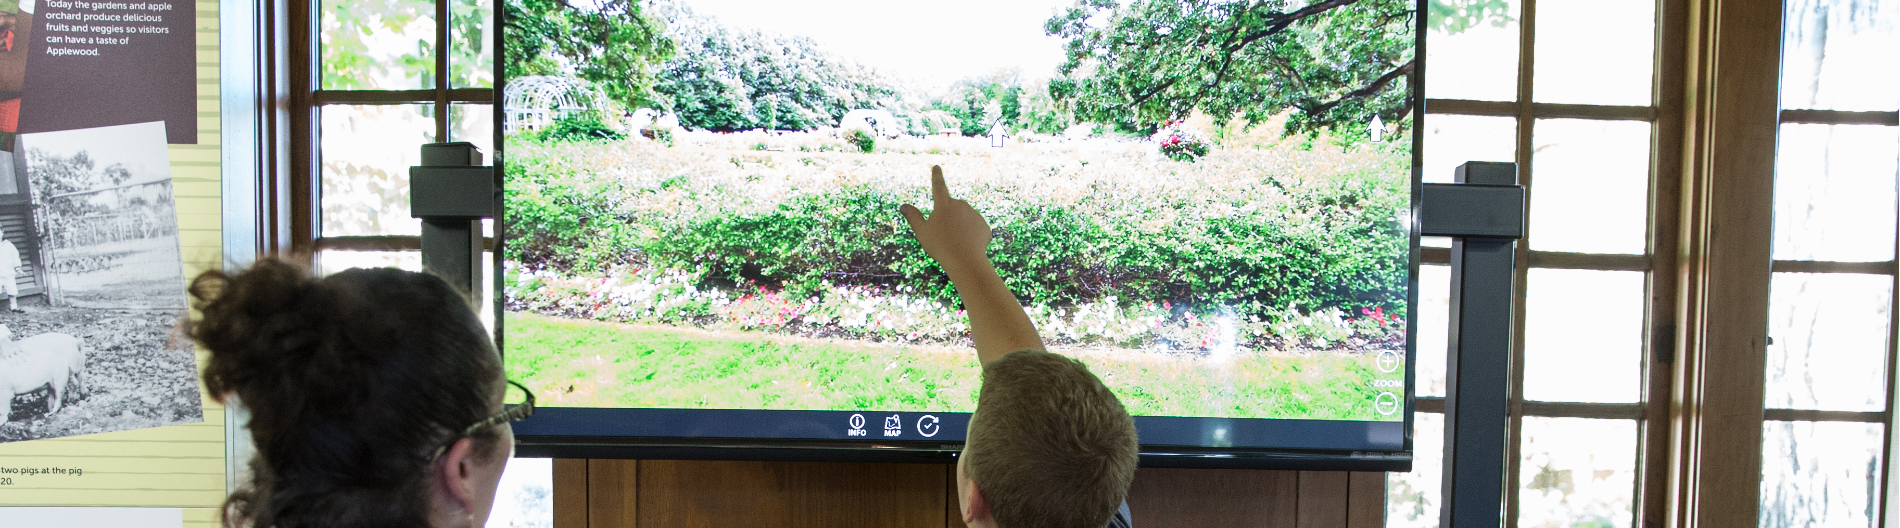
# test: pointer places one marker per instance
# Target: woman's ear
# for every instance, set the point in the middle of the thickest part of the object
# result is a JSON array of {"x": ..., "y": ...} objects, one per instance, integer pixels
[{"x": 455, "y": 480}]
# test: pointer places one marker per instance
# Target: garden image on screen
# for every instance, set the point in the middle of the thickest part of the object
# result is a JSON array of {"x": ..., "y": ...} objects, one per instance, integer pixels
[{"x": 1206, "y": 202}]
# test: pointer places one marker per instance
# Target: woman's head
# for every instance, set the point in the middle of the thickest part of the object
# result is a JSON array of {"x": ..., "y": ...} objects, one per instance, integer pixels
[{"x": 355, "y": 383}]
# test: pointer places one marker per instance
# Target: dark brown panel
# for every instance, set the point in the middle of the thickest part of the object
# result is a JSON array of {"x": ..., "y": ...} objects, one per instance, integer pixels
[
  {"x": 952, "y": 510},
  {"x": 1322, "y": 499},
  {"x": 613, "y": 493},
  {"x": 788, "y": 494},
  {"x": 1238, "y": 498},
  {"x": 570, "y": 493},
  {"x": 1365, "y": 500}
]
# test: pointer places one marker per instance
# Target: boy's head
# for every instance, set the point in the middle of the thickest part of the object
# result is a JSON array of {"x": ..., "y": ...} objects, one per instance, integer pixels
[{"x": 1049, "y": 446}]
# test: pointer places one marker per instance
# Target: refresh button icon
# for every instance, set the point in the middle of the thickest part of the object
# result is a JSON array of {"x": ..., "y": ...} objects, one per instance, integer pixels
[{"x": 927, "y": 426}]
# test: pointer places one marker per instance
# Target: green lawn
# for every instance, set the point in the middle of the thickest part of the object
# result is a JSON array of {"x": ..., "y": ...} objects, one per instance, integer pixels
[{"x": 577, "y": 363}]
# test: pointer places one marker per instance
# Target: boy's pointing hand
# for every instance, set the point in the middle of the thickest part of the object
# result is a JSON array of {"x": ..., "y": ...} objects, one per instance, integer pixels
[{"x": 955, "y": 234}]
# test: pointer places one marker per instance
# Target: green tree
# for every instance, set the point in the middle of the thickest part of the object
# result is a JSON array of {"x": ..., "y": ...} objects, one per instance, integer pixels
[
  {"x": 348, "y": 62},
  {"x": 610, "y": 42},
  {"x": 351, "y": 28},
  {"x": 981, "y": 102},
  {"x": 729, "y": 79},
  {"x": 1452, "y": 17},
  {"x": 1144, "y": 63}
]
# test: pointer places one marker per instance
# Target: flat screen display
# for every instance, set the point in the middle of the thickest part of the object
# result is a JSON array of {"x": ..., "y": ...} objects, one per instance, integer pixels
[{"x": 1208, "y": 203}]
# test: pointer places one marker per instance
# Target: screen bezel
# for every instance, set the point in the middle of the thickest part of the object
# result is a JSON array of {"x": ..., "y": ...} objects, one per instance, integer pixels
[{"x": 563, "y": 442}]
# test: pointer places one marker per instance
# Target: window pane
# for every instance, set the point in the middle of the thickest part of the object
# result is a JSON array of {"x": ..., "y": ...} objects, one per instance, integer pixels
[
  {"x": 1411, "y": 499},
  {"x": 1594, "y": 51},
  {"x": 487, "y": 309},
  {"x": 471, "y": 43},
  {"x": 1828, "y": 341},
  {"x": 1576, "y": 472},
  {"x": 1590, "y": 188},
  {"x": 525, "y": 496},
  {"x": 1583, "y": 336},
  {"x": 1841, "y": 55},
  {"x": 366, "y": 153},
  {"x": 378, "y": 45},
  {"x": 1452, "y": 140},
  {"x": 1471, "y": 50},
  {"x": 474, "y": 123},
  {"x": 1834, "y": 192},
  {"x": 1819, "y": 474},
  {"x": 331, "y": 261},
  {"x": 1434, "y": 322}
]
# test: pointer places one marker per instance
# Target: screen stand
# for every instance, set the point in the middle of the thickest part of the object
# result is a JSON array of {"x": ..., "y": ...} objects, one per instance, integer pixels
[
  {"x": 451, "y": 192},
  {"x": 1484, "y": 215}
]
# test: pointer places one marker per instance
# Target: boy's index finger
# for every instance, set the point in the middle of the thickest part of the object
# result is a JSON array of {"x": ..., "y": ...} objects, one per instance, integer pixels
[{"x": 939, "y": 190}]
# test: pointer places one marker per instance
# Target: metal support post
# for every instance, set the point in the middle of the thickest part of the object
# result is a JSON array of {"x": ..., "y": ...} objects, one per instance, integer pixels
[
  {"x": 1484, "y": 212},
  {"x": 451, "y": 192}
]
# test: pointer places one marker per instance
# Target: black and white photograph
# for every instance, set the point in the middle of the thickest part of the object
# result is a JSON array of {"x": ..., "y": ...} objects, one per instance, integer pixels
[{"x": 94, "y": 289}]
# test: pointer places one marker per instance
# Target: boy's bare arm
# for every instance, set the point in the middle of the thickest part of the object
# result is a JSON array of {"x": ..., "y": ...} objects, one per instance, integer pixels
[{"x": 959, "y": 239}]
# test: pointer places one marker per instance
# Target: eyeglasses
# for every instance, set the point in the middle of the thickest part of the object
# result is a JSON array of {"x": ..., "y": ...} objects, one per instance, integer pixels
[{"x": 509, "y": 413}]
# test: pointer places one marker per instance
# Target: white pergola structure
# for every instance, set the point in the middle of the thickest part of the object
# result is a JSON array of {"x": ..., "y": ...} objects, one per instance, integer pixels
[{"x": 536, "y": 101}]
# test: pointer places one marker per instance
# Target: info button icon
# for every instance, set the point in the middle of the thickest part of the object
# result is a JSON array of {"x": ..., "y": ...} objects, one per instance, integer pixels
[{"x": 857, "y": 426}]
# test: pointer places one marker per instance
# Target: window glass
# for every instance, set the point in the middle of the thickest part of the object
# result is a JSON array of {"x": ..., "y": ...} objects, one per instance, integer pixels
[
  {"x": 1471, "y": 47},
  {"x": 474, "y": 123},
  {"x": 1590, "y": 188},
  {"x": 1840, "y": 55},
  {"x": 525, "y": 496},
  {"x": 1834, "y": 192},
  {"x": 1819, "y": 474},
  {"x": 1599, "y": 52},
  {"x": 1577, "y": 472},
  {"x": 1828, "y": 341},
  {"x": 377, "y": 44},
  {"x": 367, "y": 151},
  {"x": 331, "y": 261},
  {"x": 471, "y": 43},
  {"x": 1583, "y": 336},
  {"x": 1411, "y": 499},
  {"x": 1434, "y": 323},
  {"x": 1452, "y": 140}
]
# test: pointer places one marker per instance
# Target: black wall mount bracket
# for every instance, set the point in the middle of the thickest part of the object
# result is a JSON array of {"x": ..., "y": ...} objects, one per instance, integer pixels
[
  {"x": 1484, "y": 213},
  {"x": 452, "y": 192}
]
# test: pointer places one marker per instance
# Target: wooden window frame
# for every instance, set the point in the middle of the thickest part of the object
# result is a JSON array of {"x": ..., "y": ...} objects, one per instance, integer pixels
[
  {"x": 1652, "y": 411},
  {"x": 307, "y": 97}
]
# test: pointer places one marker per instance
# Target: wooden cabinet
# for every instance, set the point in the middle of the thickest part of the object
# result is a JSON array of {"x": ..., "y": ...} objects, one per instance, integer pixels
[{"x": 678, "y": 493}]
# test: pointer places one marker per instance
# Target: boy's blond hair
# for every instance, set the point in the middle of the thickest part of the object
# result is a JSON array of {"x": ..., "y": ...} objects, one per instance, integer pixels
[{"x": 1049, "y": 445}]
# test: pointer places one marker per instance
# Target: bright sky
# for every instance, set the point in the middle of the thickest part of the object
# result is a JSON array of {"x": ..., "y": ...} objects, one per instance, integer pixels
[{"x": 936, "y": 42}]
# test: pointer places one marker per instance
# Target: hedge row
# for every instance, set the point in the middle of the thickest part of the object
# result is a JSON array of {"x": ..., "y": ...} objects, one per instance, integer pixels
[{"x": 1334, "y": 245}]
